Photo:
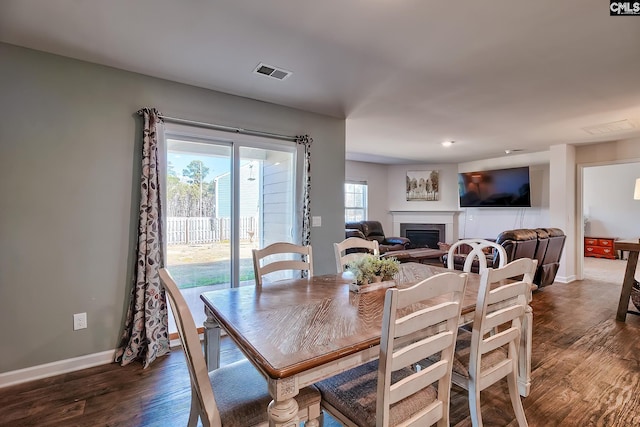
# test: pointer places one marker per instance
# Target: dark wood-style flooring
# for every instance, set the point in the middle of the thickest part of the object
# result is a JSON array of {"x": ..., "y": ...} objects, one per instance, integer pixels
[{"x": 586, "y": 372}]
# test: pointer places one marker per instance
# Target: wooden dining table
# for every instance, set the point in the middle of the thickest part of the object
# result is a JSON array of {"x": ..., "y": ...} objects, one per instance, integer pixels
[{"x": 297, "y": 332}]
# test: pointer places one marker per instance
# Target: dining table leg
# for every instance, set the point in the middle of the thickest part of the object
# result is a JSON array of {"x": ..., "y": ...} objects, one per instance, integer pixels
[
  {"x": 283, "y": 413},
  {"x": 283, "y": 409},
  {"x": 211, "y": 341},
  {"x": 312, "y": 423},
  {"x": 524, "y": 359},
  {"x": 280, "y": 414}
]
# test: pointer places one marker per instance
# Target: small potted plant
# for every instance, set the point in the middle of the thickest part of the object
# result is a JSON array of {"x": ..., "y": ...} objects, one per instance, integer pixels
[
  {"x": 364, "y": 269},
  {"x": 388, "y": 267},
  {"x": 371, "y": 272}
]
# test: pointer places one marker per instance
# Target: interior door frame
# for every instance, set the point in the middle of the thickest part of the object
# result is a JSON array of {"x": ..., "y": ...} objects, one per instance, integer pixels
[{"x": 580, "y": 208}]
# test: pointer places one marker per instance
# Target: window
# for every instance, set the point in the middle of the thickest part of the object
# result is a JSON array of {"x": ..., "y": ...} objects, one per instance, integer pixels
[{"x": 355, "y": 201}]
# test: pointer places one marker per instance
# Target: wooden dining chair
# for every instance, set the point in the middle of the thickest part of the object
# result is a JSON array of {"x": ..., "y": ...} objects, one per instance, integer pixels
[
  {"x": 234, "y": 395},
  {"x": 484, "y": 356},
  {"x": 388, "y": 392},
  {"x": 281, "y": 256},
  {"x": 343, "y": 258},
  {"x": 478, "y": 247}
]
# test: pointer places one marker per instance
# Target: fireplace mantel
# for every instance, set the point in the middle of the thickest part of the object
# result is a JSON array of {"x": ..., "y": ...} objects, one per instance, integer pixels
[{"x": 448, "y": 218}]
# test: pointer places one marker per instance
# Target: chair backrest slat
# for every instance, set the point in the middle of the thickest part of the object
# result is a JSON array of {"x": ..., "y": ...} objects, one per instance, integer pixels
[
  {"x": 269, "y": 260},
  {"x": 507, "y": 291},
  {"x": 284, "y": 265},
  {"x": 429, "y": 316},
  {"x": 415, "y": 352},
  {"x": 499, "y": 339},
  {"x": 417, "y": 382},
  {"x": 343, "y": 258},
  {"x": 502, "y": 316}
]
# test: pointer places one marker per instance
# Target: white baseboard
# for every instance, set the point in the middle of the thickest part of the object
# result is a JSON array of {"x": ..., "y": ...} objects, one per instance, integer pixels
[
  {"x": 567, "y": 279},
  {"x": 56, "y": 368},
  {"x": 176, "y": 343}
]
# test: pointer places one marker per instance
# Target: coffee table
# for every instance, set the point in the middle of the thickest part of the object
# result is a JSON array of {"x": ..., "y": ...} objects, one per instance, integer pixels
[{"x": 421, "y": 255}]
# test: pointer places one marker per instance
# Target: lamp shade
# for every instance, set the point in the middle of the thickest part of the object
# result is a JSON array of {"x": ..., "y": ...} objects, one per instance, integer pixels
[{"x": 636, "y": 193}]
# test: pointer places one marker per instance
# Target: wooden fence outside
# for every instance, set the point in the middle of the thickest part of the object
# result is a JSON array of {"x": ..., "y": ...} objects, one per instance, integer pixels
[{"x": 196, "y": 230}]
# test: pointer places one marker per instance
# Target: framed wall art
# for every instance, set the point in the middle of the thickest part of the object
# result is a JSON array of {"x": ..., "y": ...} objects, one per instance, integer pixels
[{"x": 423, "y": 185}]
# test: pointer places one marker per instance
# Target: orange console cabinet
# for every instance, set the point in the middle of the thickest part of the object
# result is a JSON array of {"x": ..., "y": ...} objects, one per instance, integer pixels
[{"x": 599, "y": 247}]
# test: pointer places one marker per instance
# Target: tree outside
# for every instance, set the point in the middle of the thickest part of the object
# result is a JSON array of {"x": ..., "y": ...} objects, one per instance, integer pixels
[{"x": 190, "y": 195}]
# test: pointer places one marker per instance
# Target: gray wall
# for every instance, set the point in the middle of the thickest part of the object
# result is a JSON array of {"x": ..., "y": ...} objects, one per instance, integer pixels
[
  {"x": 375, "y": 176},
  {"x": 69, "y": 167}
]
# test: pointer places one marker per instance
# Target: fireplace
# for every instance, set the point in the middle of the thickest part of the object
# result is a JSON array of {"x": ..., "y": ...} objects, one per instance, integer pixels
[{"x": 423, "y": 235}]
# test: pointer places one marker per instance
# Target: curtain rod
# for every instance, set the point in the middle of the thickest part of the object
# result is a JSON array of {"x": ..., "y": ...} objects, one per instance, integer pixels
[{"x": 228, "y": 128}]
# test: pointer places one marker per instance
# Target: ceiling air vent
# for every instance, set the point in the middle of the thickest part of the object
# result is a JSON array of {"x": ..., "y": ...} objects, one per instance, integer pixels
[
  {"x": 618, "y": 126},
  {"x": 271, "y": 71}
]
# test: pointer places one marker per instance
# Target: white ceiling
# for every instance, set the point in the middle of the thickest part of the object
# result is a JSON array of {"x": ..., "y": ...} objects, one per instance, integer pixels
[{"x": 407, "y": 74}]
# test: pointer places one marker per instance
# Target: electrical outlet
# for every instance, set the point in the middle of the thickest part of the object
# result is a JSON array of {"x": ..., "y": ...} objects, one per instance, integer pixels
[{"x": 79, "y": 321}]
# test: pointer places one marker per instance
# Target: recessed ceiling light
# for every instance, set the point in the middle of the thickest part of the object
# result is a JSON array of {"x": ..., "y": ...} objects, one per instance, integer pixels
[
  {"x": 447, "y": 143},
  {"x": 512, "y": 150}
]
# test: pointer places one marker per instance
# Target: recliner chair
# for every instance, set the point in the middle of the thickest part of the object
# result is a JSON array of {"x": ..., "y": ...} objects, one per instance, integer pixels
[
  {"x": 519, "y": 243},
  {"x": 543, "y": 244},
  {"x": 372, "y": 230},
  {"x": 547, "y": 270}
]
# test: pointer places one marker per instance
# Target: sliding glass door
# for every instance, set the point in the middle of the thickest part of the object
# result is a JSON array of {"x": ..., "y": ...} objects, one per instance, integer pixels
[{"x": 224, "y": 197}]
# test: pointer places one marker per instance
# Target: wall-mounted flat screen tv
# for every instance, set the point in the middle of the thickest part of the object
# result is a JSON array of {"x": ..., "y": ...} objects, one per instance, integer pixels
[{"x": 495, "y": 188}]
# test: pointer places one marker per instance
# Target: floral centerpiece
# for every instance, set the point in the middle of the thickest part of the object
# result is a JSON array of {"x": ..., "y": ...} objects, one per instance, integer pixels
[
  {"x": 370, "y": 269},
  {"x": 388, "y": 267}
]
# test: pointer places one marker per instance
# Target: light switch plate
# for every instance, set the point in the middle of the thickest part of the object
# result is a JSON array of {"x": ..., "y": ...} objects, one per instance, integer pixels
[{"x": 316, "y": 221}]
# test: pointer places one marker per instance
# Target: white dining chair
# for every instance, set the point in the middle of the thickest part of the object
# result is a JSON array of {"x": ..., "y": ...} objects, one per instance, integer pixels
[
  {"x": 389, "y": 392},
  {"x": 477, "y": 252},
  {"x": 490, "y": 352},
  {"x": 234, "y": 395},
  {"x": 281, "y": 256},
  {"x": 343, "y": 258}
]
